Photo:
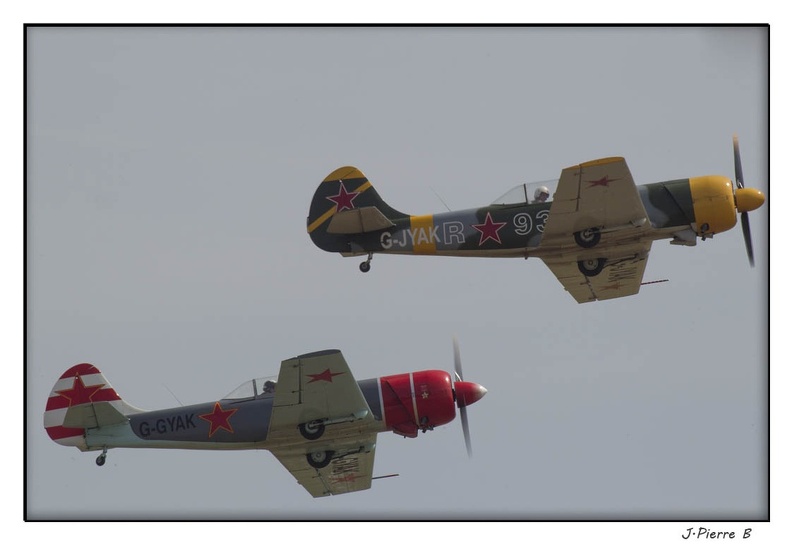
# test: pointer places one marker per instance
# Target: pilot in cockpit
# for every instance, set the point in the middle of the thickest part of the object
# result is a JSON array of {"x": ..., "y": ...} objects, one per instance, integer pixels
[
  {"x": 541, "y": 195},
  {"x": 269, "y": 387}
]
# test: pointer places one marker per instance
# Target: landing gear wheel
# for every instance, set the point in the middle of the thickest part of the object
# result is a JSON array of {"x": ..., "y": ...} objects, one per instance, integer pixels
[
  {"x": 591, "y": 267},
  {"x": 312, "y": 430},
  {"x": 319, "y": 459},
  {"x": 100, "y": 461},
  {"x": 588, "y": 237},
  {"x": 365, "y": 266}
]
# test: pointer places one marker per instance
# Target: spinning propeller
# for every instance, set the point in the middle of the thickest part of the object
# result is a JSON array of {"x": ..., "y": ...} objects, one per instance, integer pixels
[
  {"x": 466, "y": 393},
  {"x": 745, "y": 200}
]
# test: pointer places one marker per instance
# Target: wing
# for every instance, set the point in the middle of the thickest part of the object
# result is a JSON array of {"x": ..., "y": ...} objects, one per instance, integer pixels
[
  {"x": 319, "y": 388},
  {"x": 350, "y": 470},
  {"x": 597, "y": 194},
  {"x": 600, "y": 195},
  {"x": 316, "y": 387},
  {"x": 620, "y": 277}
]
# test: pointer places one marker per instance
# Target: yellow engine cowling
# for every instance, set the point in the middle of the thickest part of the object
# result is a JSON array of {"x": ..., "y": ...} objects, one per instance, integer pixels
[{"x": 713, "y": 204}]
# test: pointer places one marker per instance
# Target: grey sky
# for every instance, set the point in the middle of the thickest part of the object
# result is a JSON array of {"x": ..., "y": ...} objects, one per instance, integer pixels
[{"x": 169, "y": 176}]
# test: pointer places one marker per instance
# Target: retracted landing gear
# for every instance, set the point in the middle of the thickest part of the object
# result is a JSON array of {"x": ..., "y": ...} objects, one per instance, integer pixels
[
  {"x": 588, "y": 237},
  {"x": 591, "y": 267},
  {"x": 365, "y": 266},
  {"x": 100, "y": 461},
  {"x": 312, "y": 430},
  {"x": 320, "y": 459}
]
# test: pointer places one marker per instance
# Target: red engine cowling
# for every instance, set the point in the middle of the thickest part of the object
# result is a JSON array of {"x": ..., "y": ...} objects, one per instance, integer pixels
[{"x": 417, "y": 401}]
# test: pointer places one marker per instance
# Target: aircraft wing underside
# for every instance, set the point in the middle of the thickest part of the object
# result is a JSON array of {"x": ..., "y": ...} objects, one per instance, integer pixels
[
  {"x": 319, "y": 389},
  {"x": 620, "y": 277},
  {"x": 350, "y": 471}
]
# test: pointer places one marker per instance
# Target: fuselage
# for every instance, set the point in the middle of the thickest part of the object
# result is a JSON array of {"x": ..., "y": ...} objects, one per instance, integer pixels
[
  {"x": 401, "y": 403},
  {"x": 685, "y": 207}
]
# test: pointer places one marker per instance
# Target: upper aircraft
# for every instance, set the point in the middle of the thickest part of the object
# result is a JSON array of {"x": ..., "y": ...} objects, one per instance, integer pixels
[
  {"x": 314, "y": 417},
  {"x": 594, "y": 233}
]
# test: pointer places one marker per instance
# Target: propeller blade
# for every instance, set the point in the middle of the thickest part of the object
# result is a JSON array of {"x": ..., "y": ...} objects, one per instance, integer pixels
[
  {"x": 738, "y": 179},
  {"x": 462, "y": 408},
  {"x": 457, "y": 361},
  {"x": 466, "y": 430},
  {"x": 738, "y": 174},
  {"x": 746, "y": 228}
]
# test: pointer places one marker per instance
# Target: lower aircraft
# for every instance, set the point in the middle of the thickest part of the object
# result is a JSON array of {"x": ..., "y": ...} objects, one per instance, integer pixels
[
  {"x": 594, "y": 233},
  {"x": 314, "y": 417}
]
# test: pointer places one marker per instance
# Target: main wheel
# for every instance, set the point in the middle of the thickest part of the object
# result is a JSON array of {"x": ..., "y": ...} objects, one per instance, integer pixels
[
  {"x": 312, "y": 430},
  {"x": 101, "y": 459},
  {"x": 588, "y": 237},
  {"x": 319, "y": 459},
  {"x": 365, "y": 266},
  {"x": 591, "y": 267}
]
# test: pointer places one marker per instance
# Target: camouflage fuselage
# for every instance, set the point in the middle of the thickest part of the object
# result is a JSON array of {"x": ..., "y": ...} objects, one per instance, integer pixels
[{"x": 505, "y": 230}]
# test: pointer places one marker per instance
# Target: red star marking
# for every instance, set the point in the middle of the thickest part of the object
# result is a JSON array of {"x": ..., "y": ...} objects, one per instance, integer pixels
[
  {"x": 602, "y": 182},
  {"x": 489, "y": 229},
  {"x": 345, "y": 478},
  {"x": 218, "y": 419},
  {"x": 326, "y": 376},
  {"x": 343, "y": 200},
  {"x": 80, "y": 393}
]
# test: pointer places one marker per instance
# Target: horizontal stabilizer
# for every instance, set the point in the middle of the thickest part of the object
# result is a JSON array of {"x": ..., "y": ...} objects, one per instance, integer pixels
[
  {"x": 358, "y": 221},
  {"x": 91, "y": 416}
]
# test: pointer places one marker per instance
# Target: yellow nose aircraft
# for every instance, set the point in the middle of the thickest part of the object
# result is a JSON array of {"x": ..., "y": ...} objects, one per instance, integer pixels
[{"x": 594, "y": 233}]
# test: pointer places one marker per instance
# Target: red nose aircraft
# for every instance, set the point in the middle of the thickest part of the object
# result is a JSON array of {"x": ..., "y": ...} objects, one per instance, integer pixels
[{"x": 315, "y": 418}]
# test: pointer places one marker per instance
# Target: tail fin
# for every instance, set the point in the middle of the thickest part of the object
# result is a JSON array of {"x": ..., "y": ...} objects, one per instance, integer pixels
[
  {"x": 82, "y": 399},
  {"x": 346, "y": 203}
]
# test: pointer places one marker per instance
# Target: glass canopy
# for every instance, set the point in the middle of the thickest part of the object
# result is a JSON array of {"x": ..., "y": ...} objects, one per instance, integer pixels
[
  {"x": 527, "y": 193},
  {"x": 254, "y": 388}
]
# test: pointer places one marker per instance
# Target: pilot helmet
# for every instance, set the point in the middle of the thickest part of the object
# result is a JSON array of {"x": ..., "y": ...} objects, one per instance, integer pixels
[{"x": 540, "y": 191}]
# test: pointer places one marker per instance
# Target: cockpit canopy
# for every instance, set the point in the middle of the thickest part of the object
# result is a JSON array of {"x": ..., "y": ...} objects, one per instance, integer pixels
[
  {"x": 526, "y": 193},
  {"x": 254, "y": 388}
]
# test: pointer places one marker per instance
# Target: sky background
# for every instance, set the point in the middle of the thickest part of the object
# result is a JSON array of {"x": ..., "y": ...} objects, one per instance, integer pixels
[{"x": 169, "y": 174}]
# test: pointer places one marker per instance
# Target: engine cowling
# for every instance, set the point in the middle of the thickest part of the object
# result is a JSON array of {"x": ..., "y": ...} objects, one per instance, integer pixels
[
  {"x": 713, "y": 204},
  {"x": 417, "y": 401}
]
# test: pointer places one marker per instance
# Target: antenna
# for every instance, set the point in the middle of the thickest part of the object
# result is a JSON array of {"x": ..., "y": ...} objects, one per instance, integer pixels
[
  {"x": 386, "y": 476},
  {"x": 440, "y": 198},
  {"x": 651, "y": 282},
  {"x": 174, "y": 396}
]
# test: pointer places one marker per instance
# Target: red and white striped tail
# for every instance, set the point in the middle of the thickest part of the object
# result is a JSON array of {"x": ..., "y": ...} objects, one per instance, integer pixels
[{"x": 82, "y": 384}]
